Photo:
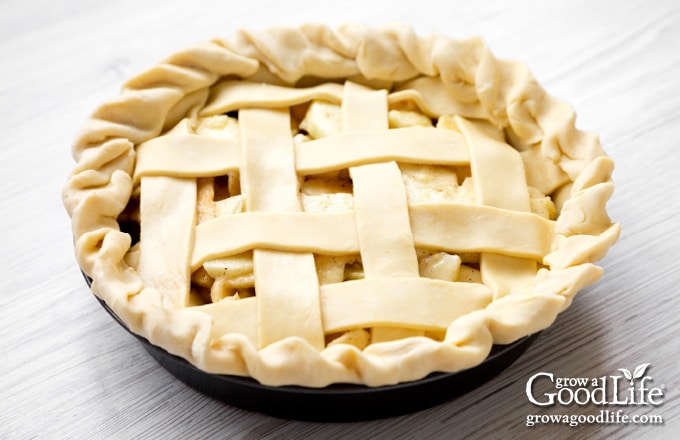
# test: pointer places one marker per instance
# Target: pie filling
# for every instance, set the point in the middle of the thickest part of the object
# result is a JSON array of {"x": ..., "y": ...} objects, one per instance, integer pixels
[{"x": 345, "y": 230}]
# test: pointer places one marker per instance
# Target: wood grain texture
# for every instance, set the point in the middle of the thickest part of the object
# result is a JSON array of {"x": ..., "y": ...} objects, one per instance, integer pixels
[{"x": 68, "y": 371}]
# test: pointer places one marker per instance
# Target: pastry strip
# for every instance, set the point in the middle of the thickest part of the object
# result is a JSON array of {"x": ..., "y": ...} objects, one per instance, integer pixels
[
  {"x": 445, "y": 226},
  {"x": 233, "y": 316},
  {"x": 268, "y": 179},
  {"x": 168, "y": 216},
  {"x": 190, "y": 155},
  {"x": 383, "y": 226},
  {"x": 500, "y": 181},
  {"x": 379, "y": 194},
  {"x": 458, "y": 228},
  {"x": 413, "y": 303},
  {"x": 363, "y": 108},
  {"x": 187, "y": 155},
  {"x": 233, "y": 95},
  {"x": 297, "y": 232},
  {"x": 286, "y": 283},
  {"x": 381, "y": 208},
  {"x": 417, "y": 145}
]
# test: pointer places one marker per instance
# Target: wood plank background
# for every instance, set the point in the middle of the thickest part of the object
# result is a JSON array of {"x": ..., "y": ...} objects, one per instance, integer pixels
[{"x": 68, "y": 371}]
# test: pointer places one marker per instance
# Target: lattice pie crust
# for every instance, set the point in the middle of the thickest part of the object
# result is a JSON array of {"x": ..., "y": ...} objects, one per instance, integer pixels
[{"x": 358, "y": 205}]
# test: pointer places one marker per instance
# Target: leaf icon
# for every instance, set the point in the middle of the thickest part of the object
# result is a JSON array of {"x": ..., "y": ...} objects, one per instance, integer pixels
[
  {"x": 626, "y": 373},
  {"x": 640, "y": 371}
]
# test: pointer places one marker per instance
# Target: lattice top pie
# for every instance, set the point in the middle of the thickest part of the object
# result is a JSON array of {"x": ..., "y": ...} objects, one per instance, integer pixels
[{"x": 362, "y": 205}]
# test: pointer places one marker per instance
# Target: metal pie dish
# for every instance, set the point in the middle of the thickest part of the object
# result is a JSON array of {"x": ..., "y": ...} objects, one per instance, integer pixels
[{"x": 338, "y": 402}]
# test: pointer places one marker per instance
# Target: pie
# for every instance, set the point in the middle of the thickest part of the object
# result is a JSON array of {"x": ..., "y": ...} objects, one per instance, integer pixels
[{"x": 309, "y": 206}]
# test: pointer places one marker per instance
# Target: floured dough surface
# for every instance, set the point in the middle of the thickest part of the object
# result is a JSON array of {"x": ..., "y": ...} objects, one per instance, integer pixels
[{"x": 361, "y": 205}]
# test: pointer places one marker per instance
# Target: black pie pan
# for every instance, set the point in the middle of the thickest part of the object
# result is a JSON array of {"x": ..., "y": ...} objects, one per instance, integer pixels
[{"x": 338, "y": 402}]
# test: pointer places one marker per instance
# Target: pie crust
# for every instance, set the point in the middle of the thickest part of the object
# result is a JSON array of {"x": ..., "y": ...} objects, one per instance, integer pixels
[{"x": 276, "y": 247}]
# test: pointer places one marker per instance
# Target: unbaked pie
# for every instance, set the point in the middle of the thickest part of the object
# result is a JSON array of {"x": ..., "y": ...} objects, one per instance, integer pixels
[{"x": 355, "y": 205}]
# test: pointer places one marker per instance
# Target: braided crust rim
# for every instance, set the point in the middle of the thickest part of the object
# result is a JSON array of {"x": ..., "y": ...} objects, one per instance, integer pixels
[{"x": 478, "y": 85}]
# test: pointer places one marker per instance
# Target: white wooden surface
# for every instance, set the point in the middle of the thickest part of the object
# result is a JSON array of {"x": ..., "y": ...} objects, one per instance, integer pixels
[{"x": 68, "y": 371}]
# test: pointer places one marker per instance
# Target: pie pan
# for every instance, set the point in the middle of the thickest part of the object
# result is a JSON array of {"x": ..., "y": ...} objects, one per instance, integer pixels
[{"x": 337, "y": 402}]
